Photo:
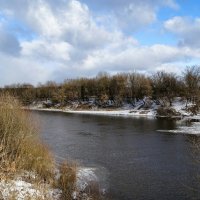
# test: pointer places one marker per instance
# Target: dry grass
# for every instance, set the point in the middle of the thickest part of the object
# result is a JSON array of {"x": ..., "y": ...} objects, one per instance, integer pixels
[
  {"x": 22, "y": 150},
  {"x": 67, "y": 180},
  {"x": 20, "y": 147}
]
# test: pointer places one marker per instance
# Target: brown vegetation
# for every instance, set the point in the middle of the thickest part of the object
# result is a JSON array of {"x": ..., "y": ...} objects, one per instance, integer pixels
[
  {"x": 162, "y": 87},
  {"x": 21, "y": 150},
  {"x": 67, "y": 180},
  {"x": 20, "y": 146},
  {"x": 167, "y": 112}
]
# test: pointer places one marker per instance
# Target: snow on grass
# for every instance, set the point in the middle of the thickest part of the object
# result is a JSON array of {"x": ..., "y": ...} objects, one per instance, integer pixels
[
  {"x": 84, "y": 177},
  {"x": 197, "y": 117},
  {"x": 194, "y": 129},
  {"x": 21, "y": 190},
  {"x": 180, "y": 106}
]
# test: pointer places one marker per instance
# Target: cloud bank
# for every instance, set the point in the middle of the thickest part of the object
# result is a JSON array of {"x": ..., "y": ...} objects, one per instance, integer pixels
[{"x": 44, "y": 40}]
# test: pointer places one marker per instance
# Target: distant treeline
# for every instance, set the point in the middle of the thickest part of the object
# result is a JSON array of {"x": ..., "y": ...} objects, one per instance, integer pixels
[{"x": 161, "y": 86}]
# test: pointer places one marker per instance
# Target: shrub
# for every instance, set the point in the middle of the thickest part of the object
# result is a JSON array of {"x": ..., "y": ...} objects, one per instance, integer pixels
[
  {"x": 167, "y": 112},
  {"x": 194, "y": 109},
  {"x": 67, "y": 180}
]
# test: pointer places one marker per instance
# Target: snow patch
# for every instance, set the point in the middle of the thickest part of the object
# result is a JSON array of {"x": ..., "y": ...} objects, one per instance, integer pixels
[
  {"x": 194, "y": 129},
  {"x": 125, "y": 113},
  {"x": 21, "y": 190},
  {"x": 84, "y": 177}
]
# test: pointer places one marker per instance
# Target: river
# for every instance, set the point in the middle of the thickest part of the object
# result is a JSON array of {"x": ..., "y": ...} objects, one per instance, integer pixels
[{"x": 133, "y": 159}]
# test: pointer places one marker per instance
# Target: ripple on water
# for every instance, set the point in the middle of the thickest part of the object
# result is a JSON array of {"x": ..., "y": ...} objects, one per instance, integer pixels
[{"x": 85, "y": 133}]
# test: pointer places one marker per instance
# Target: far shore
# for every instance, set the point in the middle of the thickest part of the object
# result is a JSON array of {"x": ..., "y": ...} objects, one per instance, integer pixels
[
  {"x": 149, "y": 113},
  {"x": 116, "y": 112}
]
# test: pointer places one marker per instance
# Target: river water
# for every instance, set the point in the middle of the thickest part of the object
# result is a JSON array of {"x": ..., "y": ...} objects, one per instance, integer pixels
[{"x": 133, "y": 160}]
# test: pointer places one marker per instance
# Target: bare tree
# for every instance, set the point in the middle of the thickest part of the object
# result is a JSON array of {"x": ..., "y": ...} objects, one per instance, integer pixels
[{"x": 165, "y": 86}]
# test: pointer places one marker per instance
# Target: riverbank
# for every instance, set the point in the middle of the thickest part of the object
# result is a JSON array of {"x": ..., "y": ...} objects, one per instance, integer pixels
[
  {"x": 117, "y": 112},
  {"x": 187, "y": 122},
  {"x": 26, "y": 185},
  {"x": 143, "y": 108},
  {"x": 28, "y": 170}
]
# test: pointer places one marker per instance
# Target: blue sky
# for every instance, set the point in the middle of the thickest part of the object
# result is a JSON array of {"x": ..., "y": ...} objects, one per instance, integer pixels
[{"x": 54, "y": 40}]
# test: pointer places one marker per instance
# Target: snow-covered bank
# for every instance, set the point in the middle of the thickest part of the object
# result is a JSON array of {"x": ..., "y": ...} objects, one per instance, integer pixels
[
  {"x": 193, "y": 129},
  {"x": 189, "y": 125},
  {"x": 178, "y": 111},
  {"x": 144, "y": 108},
  {"x": 134, "y": 112},
  {"x": 116, "y": 112},
  {"x": 21, "y": 190},
  {"x": 24, "y": 187},
  {"x": 90, "y": 108},
  {"x": 128, "y": 113}
]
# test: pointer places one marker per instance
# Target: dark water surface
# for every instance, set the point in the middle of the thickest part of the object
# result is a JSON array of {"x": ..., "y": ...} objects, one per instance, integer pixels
[{"x": 136, "y": 161}]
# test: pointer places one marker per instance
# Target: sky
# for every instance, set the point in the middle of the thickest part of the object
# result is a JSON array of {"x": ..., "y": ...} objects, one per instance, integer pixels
[{"x": 42, "y": 40}]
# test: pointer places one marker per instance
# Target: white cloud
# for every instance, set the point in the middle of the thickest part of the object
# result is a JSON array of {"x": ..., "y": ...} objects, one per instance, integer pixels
[
  {"x": 42, "y": 19},
  {"x": 133, "y": 14},
  {"x": 20, "y": 70},
  {"x": 45, "y": 50},
  {"x": 171, "y": 4},
  {"x": 70, "y": 41},
  {"x": 187, "y": 29},
  {"x": 116, "y": 4},
  {"x": 139, "y": 58}
]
